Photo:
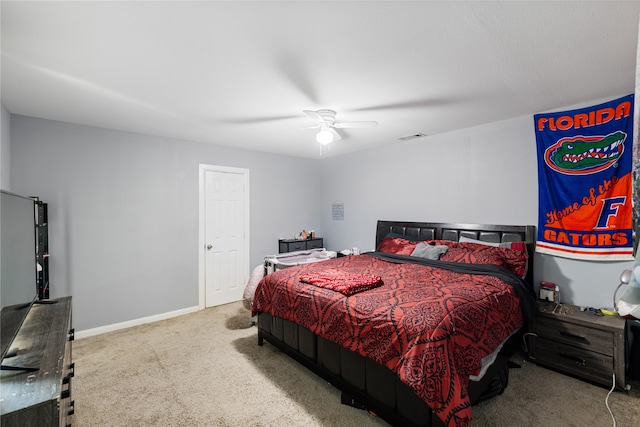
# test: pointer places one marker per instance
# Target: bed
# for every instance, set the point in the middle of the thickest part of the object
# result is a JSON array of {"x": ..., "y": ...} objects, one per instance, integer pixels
[{"x": 424, "y": 331}]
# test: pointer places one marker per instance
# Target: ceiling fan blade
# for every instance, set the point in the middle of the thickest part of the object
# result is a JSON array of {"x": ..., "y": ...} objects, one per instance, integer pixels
[
  {"x": 345, "y": 125},
  {"x": 245, "y": 120},
  {"x": 297, "y": 73},
  {"x": 416, "y": 103},
  {"x": 336, "y": 134},
  {"x": 311, "y": 127},
  {"x": 314, "y": 115}
]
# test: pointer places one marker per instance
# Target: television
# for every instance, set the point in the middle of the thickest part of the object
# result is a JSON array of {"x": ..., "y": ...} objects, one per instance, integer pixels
[{"x": 18, "y": 265}]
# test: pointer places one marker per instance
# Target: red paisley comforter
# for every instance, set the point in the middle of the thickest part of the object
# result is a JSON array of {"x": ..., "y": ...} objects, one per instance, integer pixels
[{"x": 431, "y": 326}]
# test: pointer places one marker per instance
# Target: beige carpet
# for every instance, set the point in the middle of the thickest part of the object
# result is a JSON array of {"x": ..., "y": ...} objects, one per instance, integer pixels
[{"x": 206, "y": 369}]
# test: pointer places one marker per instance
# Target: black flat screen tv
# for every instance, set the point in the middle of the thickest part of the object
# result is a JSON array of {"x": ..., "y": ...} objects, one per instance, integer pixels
[{"x": 18, "y": 267}]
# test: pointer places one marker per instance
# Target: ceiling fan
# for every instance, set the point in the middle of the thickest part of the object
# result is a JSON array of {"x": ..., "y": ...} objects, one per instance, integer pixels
[{"x": 326, "y": 122}]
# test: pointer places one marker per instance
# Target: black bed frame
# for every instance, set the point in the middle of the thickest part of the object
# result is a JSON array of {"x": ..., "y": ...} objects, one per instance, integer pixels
[{"x": 367, "y": 384}]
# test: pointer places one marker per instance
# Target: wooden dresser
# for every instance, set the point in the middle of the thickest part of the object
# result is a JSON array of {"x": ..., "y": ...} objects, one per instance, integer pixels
[
  {"x": 580, "y": 343},
  {"x": 41, "y": 397}
]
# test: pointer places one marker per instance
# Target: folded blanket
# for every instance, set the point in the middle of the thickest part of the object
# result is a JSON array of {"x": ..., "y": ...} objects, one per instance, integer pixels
[{"x": 341, "y": 281}]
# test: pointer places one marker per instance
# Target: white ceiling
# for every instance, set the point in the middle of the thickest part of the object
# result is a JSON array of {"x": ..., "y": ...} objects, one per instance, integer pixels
[{"x": 240, "y": 73}]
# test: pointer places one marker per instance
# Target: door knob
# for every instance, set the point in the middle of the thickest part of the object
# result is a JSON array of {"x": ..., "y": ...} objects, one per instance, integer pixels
[{"x": 209, "y": 246}]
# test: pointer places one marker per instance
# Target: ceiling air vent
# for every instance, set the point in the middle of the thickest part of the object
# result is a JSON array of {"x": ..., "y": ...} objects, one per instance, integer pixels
[{"x": 412, "y": 137}]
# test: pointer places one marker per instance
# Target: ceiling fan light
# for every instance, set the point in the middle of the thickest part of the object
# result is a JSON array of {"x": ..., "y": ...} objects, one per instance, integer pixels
[{"x": 324, "y": 137}]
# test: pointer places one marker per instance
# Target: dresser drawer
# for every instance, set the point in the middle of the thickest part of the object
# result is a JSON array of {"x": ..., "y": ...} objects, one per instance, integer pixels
[
  {"x": 314, "y": 244},
  {"x": 581, "y": 336},
  {"x": 293, "y": 245},
  {"x": 586, "y": 364}
]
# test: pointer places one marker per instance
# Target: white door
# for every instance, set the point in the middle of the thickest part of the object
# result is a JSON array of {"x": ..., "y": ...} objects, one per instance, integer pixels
[{"x": 226, "y": 261}]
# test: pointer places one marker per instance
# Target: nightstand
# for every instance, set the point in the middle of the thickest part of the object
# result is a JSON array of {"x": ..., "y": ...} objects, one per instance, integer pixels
[{"x": 580, "y": 343}]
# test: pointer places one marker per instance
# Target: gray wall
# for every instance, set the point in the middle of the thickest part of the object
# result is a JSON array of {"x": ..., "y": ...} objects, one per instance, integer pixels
[
  {"x": 123, "y": 207},
  {"x": 123, "y": 212},
  {"x": 485, "y": 175},
  {"x": 5, "y": 138}
]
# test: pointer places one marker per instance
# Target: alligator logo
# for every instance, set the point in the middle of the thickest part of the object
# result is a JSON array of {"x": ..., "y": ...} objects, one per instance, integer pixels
[{"x": 582, "y": 155}]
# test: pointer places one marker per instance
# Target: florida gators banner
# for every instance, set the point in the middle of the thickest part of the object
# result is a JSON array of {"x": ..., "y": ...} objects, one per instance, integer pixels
[{"x": 585, "y": 180}]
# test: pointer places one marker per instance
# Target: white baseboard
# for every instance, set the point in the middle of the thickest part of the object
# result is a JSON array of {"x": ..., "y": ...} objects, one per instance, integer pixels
[{"x": 117, "y": 326}]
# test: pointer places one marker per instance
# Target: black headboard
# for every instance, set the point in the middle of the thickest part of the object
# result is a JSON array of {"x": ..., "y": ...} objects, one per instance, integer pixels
[{"x": 443, "y": 231}]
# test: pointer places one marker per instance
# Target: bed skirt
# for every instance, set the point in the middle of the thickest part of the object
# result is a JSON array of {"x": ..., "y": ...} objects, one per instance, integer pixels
[{"x": 364, "y": 382}]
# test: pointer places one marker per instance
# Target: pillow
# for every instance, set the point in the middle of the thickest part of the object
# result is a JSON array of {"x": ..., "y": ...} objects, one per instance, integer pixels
[
  {"x": 424, "y": 250},
  {"x": 464, "y": 239},
  {"x": 518, "y": 246},
  {"x": 397, "y": 245},
  {"x": 472, "y": 253}
]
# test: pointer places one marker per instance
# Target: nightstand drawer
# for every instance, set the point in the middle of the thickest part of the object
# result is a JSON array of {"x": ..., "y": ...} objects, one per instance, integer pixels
[
  {"x": 570, "y": 359},
  {"x": 585, "y": 337},
  {"x": 580, "y": 343}
]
